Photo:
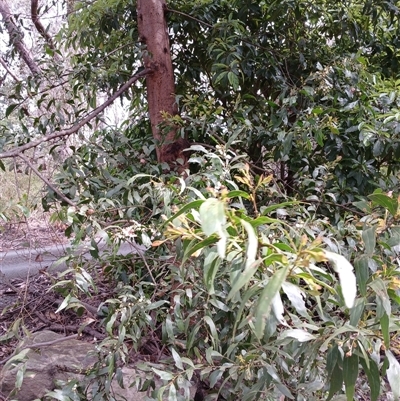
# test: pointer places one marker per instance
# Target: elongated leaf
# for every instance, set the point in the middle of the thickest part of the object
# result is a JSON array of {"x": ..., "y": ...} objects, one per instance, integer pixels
[
  {"x": 393, "y": 374},
  {"x": 263, "y": 220},
  {"x": 212, "y": 215},
  {"x": 332, "y": 358},
  {"x": 383, "y": 300},
  {"x": 357, "y": 311},
  {"x": 369, "y": 238},
  {"x": 298, "y": 334},
  {"x": 385, "y": 201},
  {"x": 243, "y": 279},
  {"x": 336, "y": 382},
  {"x": 385, "y": 329},
  {"x": 238, "y": 193},
  {"x": 200, "y": 245},
  {"x": 346, "y": 276},
  {"x": 278, "y": 309},
  {"x": 192, "y": 205},
  {"x": 296, "y": 297},
  {"x": 10, "y": 108},
  {"x": 252, "y": 243},
  {"x": 350, "y": 374},
  {"x": 163, "y": 375},
  {"x": 177, "y": 359},
  {"x": 372, "y": 372},
  {"x": 264, "y": 303},
  {"x": 211, "y": 265},
  {"x": 362, "y": 273},
  {"x": 271, "y": 208}
]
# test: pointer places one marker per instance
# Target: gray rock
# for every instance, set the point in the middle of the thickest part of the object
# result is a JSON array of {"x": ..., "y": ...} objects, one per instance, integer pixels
[
  {"x": 63, "y": 360},
  {"x": 45, "y": 365}
]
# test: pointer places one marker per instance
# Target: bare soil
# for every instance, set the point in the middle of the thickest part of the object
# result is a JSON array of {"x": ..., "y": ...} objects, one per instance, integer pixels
[{"x": 35, "y": 232}]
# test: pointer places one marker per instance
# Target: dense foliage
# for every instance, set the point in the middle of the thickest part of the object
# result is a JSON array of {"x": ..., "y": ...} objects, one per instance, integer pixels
[{"x": 245, "y": 289}]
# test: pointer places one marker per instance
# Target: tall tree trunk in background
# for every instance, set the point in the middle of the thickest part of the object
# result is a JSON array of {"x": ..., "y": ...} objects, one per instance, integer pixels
[
  {"x": 160, "y": 83},
  {"x": 16, "y": 37}
]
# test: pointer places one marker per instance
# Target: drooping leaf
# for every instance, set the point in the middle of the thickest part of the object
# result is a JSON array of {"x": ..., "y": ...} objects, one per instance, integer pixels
[
  {"x": 296, "y": 297},
  {"x": 350, "y": 374},
  {"x": 362, "y": 273},
  {"x": 393, "y": 374},
  {"x": 252, "y": 243},
  {"x": 264, "y": 303},
  {"x": 336, "y": 381},
  {"x": 384, "y": 321},
  {"x": 346, "y": 276},
  {"x": 212, "y": 215},
  {"x": 386, "y": 202},
  {"x": 372, "y": 372},
  {"x": 368, "y": 236},
  {"x": 298, "y": 334}
]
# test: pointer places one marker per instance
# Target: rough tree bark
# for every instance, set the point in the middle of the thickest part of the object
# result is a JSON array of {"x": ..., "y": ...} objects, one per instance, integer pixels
[
  {"x": 16, "y": 37},
  {"x": 160, "y": 83},
  {"x": 39, "y": 26}
]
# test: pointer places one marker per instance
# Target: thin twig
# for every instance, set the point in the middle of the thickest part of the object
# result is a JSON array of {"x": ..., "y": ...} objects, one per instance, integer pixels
[
  {"x": 45, "y": 180},
  {"x": 72, "y": 130},
  {"x": 140, "y": 253},
  {"x": 5, "y": 66}
]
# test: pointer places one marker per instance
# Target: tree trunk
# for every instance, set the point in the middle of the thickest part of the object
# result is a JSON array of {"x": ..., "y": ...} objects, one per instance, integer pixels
[
  {"x": 160, "y": 83},
  {"x": 16, "y": 37}
]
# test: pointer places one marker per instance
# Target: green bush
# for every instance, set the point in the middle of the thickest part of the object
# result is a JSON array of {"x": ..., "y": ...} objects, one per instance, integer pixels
[{"x": 246, "y": 298}]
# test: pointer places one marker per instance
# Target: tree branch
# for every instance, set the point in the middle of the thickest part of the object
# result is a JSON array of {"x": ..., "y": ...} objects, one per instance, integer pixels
[
  {"x": 16, "y": 38},
  {"x": 5, "y": 66},
  {"x": 38, "y": 24},
  {"x": 72, "y": 130},
  {"x": 45, "y": 180}
]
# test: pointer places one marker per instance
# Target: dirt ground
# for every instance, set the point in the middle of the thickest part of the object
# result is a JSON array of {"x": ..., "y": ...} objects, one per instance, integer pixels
[{"x": 34, "y": 233}]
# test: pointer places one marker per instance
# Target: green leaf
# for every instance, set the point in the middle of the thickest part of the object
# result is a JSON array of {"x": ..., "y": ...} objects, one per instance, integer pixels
[
  {"x": 296, "y": 297},
  {"x": 264, "y": 303},
  {"x": 238, "y": 194},
  {"x": 362, "y": 273},
  {"x": 252, "y": 244},
  {"x": 192, "y": 205},
  {"x": 10, "y": 109},
  {"x": 336, "y": 382},
  {"x": 356, "y": 311},
  {"x": 211, "y": 265},
  {"x": 383, "y": 300},
  {"x": 332, "y": 358},
  {"x": 368, "y": 236},
  {"x": 386, "y": 202},
  {"x": 189, "y": 251},
  {"x": 393, "y": 374},
  {"x": 212, "y": 215},
  {"x": 177, "y": 359},
  {"x": 233, "y": 80},
  {"x": 384, "y": 321},
  {"x": 372, "y": 372},
  {"x": 64, "y": 303},
  {"x": 243, "y": 278},
  {"x": 298, "y": 334},
  {"x": 350, "y": 374},
  {"x": 163, "y": 375},
  {"x": 282, "y": 205}
]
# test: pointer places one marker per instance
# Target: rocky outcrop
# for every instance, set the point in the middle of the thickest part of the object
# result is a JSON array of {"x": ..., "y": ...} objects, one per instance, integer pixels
[
  {"x": 45, "y": 365},
  {"x": 61, "y": 360}
]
